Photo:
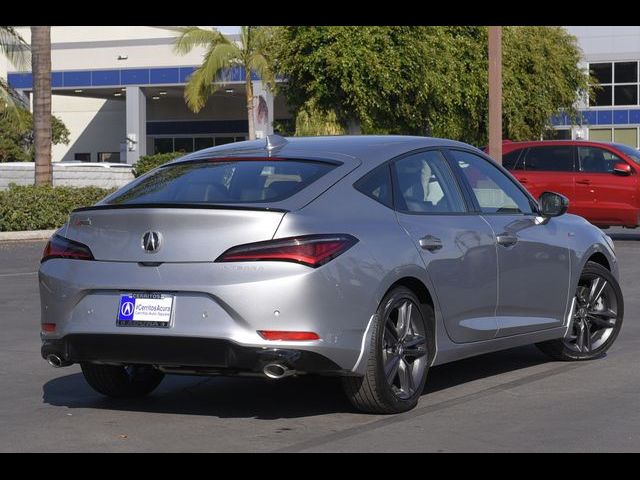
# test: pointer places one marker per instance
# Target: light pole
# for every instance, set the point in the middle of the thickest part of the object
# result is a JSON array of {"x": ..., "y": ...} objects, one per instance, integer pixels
[{"x": 495, "y": 93}]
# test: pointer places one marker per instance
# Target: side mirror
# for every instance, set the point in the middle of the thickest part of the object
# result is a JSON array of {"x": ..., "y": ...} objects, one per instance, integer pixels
[
  {"x": 552, "y": 204},
  {"x": 622, "y": 168}
]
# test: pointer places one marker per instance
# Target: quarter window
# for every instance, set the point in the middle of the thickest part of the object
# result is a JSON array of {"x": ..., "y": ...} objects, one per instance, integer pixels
[
  {"x": 425, "y": 184},
  {"x": 549, "y": 159},
  {"x": 494, "y": 191},
  {"x": 597, "y": 160},
  {"x": 377, "y": 185}
]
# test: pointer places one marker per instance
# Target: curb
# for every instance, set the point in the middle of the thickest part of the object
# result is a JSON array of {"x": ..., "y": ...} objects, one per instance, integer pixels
[{"x": 28, "y": 235}]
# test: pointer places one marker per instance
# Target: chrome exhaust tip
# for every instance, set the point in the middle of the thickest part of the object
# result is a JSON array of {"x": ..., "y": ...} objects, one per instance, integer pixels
[
  {"x": 56, "y": 362},
  {"x": 277, "y": 371}
]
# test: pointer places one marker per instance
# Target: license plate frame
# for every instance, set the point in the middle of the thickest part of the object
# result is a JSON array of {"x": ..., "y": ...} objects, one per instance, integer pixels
[{"x": 145, "y": 309}]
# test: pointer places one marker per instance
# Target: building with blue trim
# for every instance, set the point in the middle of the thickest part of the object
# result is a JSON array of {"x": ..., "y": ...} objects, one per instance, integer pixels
[
  {"x": 120, "y": 92},
  {"x": 612, "y": 55}
]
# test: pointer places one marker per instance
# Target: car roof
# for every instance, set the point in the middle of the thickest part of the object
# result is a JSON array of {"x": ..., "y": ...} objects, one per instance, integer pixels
[
  {"x": 532, "y": 143},
  {"x": 368, "y": 149}
]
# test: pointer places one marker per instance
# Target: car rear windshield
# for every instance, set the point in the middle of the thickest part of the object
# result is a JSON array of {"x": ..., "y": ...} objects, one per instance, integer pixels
[{"x": 223, "y": 181}]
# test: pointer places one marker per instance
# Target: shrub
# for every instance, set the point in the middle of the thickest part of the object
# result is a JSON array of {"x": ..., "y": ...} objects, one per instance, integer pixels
[
  {"x": 43, "y": 207},
  {"x": 149, "y": 162}
]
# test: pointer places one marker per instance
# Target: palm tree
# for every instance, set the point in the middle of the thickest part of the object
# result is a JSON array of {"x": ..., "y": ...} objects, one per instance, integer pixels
[
  {"x": 223, "y": 53},
  {"x": 19, "y": 55},
  {"x": 41, "y": 50}
]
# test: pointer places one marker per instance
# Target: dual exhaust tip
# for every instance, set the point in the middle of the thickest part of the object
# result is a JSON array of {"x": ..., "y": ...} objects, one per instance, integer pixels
[
  {"x": 277, "y": 371},
  {"x": 57, "y": 362}
]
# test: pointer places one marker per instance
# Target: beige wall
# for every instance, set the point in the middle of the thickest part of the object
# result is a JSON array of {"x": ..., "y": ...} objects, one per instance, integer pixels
[
  {"x": 78, "y": 47},
  {"x": 96, "y": 125}
]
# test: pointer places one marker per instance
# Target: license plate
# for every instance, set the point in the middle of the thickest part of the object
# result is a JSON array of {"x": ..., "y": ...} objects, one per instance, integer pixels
[{"x": 145, "y": 309}]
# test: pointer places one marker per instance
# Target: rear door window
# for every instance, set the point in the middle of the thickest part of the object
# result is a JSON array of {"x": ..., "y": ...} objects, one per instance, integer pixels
[
  {"x": 224, "y": 181},
  {"x": 425, "y": 184},
  {"x": 549, "y": 159}
]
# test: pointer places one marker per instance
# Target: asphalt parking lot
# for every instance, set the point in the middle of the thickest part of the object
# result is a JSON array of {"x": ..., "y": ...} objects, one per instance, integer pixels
[{"x": 514, "y": 400}]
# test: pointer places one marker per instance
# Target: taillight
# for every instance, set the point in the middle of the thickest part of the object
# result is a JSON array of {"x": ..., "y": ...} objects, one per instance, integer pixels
[
  {"x": 48, "y": 327},
  {"x": 60, "y": 247},
  {"x": 310, "y": 250}
]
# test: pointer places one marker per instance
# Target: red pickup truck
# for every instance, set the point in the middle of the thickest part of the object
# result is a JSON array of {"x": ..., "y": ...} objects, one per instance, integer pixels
[{"x": 601, "y": 180}]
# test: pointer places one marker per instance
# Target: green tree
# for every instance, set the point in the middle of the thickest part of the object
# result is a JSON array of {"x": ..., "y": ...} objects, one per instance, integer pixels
[
  {"x": 17, "y": 51},
  {"x": 222, "y": 53},
  {"x": 311, "y": 120},
  {"x": 42, "y": 131},
  {"x": 16, "y": 137},
  {"x": 429, "y": 80}
]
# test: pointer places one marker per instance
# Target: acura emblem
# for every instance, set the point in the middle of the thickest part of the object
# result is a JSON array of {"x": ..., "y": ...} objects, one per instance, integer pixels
[{"x": 151, "y": 242}]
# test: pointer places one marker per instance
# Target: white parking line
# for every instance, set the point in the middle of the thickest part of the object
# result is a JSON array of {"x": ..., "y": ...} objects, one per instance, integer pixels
[{"x": 17, "y": 274}]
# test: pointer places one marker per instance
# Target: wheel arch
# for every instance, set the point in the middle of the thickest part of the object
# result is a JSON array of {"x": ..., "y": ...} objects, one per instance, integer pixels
[
  {"x": 599, "y": 258},
  {"x": 420, "y": 290},
  {"x": 416, "y": 280}
]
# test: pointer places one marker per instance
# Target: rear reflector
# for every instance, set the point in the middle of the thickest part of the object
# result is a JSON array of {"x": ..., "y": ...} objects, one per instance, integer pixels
[
  {"x": 60, "y": 247},
  {"x": 48, "y": 327},
  {"x": 310, "y": 250},
  {"x": 292, "y": 336}
]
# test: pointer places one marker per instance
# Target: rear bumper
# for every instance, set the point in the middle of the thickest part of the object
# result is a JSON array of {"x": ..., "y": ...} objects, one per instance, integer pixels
[{"x": 189, "y": 353}]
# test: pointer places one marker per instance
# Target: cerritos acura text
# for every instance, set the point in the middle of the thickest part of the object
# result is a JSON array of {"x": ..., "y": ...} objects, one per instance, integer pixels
[{"x": 370, "y": 257}]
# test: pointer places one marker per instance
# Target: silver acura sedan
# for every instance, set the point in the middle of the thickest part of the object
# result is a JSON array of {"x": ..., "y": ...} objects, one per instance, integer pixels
[{"x": 371, "y": 257}]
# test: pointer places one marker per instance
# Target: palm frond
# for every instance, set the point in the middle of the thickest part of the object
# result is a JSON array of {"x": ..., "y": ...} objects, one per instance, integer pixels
[
  {"x": 190, "y": 37},
  {"x": 201, "y": 84},
  {"x": 10, "y": 102},
  {"x": 13, "y": 46},
  {"x": 259, "y": 63}
]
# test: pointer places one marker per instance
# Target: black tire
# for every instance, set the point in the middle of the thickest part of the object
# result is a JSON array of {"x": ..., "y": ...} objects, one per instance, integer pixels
[
  {"x": 372, "y": 393},
  {"x": 121, "y": 382},
  {"x": 559, "y": 349}
]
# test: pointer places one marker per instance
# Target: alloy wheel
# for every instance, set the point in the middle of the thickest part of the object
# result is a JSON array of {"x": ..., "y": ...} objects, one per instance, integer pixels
[
  {"x": 404, "y": 348},
  {"x": 595, "y": 315}
]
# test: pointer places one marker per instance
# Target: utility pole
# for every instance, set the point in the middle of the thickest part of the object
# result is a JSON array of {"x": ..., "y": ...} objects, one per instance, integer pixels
[{"x": 495, "y": 93}]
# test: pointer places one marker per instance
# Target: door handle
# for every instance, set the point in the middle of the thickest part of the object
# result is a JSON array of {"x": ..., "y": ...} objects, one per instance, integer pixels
[
  {"x": 584, "y": 182},
  {"x": 506, "y": 239},
  {"x": 430, "y": 243}
]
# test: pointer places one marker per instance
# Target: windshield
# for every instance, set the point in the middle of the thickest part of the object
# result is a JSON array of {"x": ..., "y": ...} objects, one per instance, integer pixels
[
  {"x": 629, "y": 152},
  {"x": 223, "y": 181}
]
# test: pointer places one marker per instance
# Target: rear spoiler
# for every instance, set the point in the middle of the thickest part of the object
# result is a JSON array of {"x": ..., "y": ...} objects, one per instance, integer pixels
[{"x": 203, "y": 206}]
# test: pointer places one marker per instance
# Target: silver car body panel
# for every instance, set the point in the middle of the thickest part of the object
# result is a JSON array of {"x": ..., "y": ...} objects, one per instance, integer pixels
[{"x": 485, "y": 297}]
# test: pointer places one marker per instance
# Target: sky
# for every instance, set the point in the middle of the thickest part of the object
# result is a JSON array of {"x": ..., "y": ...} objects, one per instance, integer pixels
[{"x": 229, "y": 30}]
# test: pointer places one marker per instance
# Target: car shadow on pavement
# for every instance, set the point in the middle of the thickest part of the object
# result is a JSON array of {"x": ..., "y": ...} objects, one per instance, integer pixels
[
  {"x": 266, "y": 399},
  {"x": 624, "y": 236}
]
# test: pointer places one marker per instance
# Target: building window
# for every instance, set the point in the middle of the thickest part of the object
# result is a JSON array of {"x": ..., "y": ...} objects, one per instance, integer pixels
[
  {"x": 190, "y": 144},
  {"x": 163, "y": 145},
  {"x": 82, "y": 157},
  {"x": 200, "y": 143},
  {"x": 618, "y": 84},
  {"x": 183, "y": 144},
  {"x": 627, "y": 136},
  {"x": 111, "y": 157}
]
